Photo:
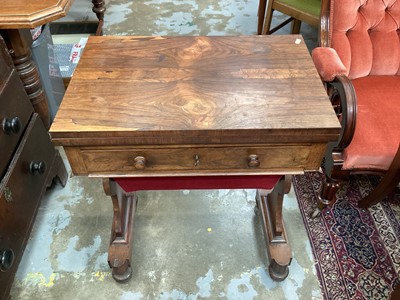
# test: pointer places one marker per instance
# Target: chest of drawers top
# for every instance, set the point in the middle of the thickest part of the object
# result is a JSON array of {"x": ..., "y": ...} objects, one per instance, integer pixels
[{"x": 30, "y": 14}]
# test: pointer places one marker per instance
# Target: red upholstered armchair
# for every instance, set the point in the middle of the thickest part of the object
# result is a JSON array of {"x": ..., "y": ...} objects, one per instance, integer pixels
[{"x": 359, "y": 61}]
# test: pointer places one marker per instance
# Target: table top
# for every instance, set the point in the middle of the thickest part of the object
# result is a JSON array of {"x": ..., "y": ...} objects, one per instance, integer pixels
[
  {"x": 31, "y": 13},
  {"x": 174, "y": 90}
]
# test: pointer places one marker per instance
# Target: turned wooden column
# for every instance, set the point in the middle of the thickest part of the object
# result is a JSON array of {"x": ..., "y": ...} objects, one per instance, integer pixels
[
  {"x": 19, "y": 43},
  {"x": 16, "y": 20},
  {"x": 99, "y": 8}
]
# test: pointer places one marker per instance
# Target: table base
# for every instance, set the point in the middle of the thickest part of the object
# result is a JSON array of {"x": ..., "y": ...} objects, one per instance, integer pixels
[{"x": 269, "y": 207}]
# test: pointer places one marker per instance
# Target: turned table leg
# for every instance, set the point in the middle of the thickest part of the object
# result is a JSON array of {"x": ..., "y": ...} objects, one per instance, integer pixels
[
  {"x": 270, "y": 211},
  {"x": 19, "y": 43},
  {"x": 99, "y": 8},
  {"x": 120, "y": 250}
]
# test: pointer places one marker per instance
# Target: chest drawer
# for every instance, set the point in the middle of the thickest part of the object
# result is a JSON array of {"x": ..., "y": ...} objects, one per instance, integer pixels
[
  {"x": 20, "y": 188},
  {"x": 218, "y": 159},
  {"x": 6, "y": 66},
  {"x": 15, "y": 112}
]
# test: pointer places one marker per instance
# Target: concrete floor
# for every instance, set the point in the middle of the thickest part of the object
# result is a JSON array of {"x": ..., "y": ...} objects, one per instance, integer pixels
[{"x": 187, "y": 244}]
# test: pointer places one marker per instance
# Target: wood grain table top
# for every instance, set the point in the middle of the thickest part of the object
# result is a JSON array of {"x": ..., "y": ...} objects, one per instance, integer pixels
[
  {"x": 174, "y": 90},
  {"x": 16, "y": 14}
]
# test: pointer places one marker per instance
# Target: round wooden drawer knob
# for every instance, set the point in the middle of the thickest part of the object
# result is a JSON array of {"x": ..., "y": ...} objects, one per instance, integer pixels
[
  {"x": 37, "y": 167},
  {"x": 252, "y": 161},
  {"x": 12, "y": 125},
  {"x": 6, "y": 259},
  {"x": 139, "y": 162}
]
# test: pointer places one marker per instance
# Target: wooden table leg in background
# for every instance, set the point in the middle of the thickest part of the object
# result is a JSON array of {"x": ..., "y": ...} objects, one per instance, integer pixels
[
  {"x": 120, "y": 250},
  {"x": 261, "y": 15},
  {"x": 99, "y": 8},
  {"x": 270, "y": 211},
  {"x": 19, "y": 43}
]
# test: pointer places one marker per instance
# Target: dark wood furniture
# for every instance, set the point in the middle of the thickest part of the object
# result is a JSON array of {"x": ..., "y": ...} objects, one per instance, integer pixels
[
  {"x": 99, "y": 8},
  {"x": 195, "y": 112},
  {"x": 28, "y": 164}
]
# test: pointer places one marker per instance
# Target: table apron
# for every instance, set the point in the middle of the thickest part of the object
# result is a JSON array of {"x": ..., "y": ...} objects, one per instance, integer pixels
[{"x": 186, "y": 160}]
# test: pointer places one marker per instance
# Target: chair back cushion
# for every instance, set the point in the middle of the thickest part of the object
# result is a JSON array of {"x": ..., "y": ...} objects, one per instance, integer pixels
[{"x": 366, "y": 36}]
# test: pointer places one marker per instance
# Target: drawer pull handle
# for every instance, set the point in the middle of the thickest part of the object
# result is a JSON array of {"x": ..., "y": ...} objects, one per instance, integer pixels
[
  {"x": 139, "y": 162},
  {"x": 6, "y": 259},
  {"x": 11, "y": 125},
  {"x": 253, "y": 161},
  {"x": 37, "y": 167}
]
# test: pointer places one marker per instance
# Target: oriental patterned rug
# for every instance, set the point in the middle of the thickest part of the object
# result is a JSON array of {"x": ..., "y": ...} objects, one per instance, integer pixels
[{"x": 356, "y": 251}]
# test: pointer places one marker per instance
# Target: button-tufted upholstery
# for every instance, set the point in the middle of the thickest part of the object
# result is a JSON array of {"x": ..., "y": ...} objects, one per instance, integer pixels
[{"x": 365, "y": 34}]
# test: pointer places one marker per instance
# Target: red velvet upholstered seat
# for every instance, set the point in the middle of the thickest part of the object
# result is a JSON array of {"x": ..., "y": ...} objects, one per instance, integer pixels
[
  {"x": 377, "y": 130},
  {"x": 359, "y": 61}
]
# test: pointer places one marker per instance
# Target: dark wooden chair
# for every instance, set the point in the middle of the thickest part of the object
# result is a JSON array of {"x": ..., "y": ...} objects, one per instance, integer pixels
[
  {"x": 307, "y": 11},
  {"x": 359, "y": 62}
]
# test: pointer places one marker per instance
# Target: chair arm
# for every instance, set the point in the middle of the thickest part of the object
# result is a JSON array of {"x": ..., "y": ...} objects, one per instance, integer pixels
[
  {"x": 328, "y": 63},
  {"x": 344, "y": 101}
]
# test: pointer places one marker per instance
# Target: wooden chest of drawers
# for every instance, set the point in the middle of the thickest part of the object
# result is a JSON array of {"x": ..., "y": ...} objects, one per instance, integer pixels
[{"x": 28, "y": 165}]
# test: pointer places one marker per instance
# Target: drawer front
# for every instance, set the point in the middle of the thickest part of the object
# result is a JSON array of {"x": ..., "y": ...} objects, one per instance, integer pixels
[
  {"x": 199, "y": 159},
  {"x": 15, "y": 112},
  {"x": 20, "y": 191}
]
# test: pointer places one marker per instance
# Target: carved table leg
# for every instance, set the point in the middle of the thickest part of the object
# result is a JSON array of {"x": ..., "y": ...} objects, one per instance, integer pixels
[
  {"x": 270, "y": 211},
  {"x": 120, "y": 250},
  {"x": 99, "y": 9},
  {"x": 19, "y": 42}
]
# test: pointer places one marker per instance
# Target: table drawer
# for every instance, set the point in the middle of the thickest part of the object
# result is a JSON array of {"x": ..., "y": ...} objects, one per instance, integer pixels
[
  {"x": 195, "y": 159},
  {"x": 15, "y": 112},
  {"x": 20, "y": 191}
]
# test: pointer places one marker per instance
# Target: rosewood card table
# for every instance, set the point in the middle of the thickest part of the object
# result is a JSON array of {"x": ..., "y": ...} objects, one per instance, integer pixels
[{"x": 155, "y": 113}]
